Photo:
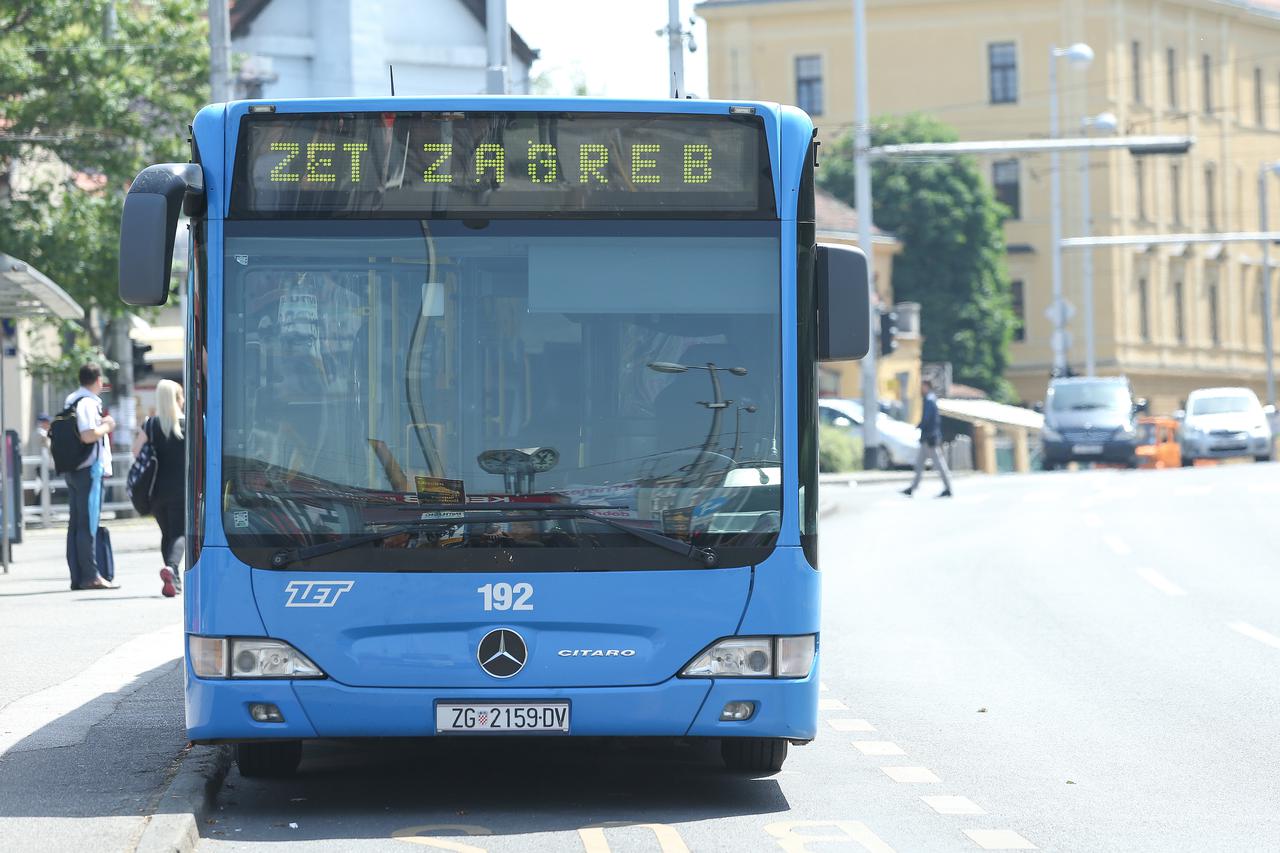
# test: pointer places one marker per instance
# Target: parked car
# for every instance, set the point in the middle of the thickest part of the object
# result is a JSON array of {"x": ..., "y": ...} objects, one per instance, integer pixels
[
  {"x": 1221, "y": 423},
  {"x": 1158, "y": 445},
  {"x": 899, "y": 441},
  {"x": 1089, "y": 419}
]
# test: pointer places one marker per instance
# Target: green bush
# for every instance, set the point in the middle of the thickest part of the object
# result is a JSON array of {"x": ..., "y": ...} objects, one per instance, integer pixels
[{"x": 839, "y": 450}]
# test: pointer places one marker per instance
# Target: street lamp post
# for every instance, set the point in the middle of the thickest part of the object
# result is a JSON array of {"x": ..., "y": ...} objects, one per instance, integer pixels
[
  {"x": 717, "y": 404},
  {"x": 737, "y": 428},
  {"x": 1080, "y": 56},
  {"x": 1107, "y": 123},
  {"x": 1267, "y": 320}
]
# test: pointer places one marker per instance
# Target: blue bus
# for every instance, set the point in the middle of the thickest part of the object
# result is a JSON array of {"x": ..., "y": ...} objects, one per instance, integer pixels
[{"x": 502, "y": 418}]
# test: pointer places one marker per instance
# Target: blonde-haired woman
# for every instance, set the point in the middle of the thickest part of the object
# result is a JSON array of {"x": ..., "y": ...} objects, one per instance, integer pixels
[{"x": 168, "y": 501}]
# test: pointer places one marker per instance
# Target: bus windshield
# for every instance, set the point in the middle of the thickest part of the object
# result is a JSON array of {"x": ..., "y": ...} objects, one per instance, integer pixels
[{"x": 392, "y": 373}]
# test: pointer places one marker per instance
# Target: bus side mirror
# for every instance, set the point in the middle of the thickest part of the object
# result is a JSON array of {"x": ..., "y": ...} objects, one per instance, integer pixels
[
  {"x": 147, "y": 227},
  {"x": 844, "y": 303}
]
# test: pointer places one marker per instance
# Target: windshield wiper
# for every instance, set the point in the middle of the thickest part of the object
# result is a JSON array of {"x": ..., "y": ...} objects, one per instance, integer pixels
[
  {"x": 508, "y": 512},
  {"x": 705, "y": 556},
  {"x": 280, "y": 559}
]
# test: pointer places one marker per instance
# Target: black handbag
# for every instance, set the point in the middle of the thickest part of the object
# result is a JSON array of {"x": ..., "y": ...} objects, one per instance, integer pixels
[{"x": 141, "y": 484}]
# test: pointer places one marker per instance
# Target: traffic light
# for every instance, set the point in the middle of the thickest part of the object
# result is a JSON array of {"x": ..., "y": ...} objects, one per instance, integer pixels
[
  {"x": 140, "y": 366},
  {"x": 888, "y": 332}
]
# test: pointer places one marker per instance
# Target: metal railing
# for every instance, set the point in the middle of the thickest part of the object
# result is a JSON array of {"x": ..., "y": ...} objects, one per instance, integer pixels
[{"x": 44, "y": 493}]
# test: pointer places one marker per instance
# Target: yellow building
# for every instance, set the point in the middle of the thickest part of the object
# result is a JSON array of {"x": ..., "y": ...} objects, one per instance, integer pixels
[{"x": 1172, "y": 318}]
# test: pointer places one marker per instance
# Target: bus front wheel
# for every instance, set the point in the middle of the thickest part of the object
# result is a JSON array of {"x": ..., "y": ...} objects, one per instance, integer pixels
[
  {"x": 754, "y": 754},
  {"x": 268, "y": 759}
]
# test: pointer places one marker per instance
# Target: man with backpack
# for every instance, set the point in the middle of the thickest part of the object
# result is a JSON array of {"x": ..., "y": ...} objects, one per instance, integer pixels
[{"x": 79, "y": 439}]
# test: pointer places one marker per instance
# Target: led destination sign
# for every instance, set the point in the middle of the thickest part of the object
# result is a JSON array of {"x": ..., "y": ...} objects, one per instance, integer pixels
[{"x": 469, "y": 164}]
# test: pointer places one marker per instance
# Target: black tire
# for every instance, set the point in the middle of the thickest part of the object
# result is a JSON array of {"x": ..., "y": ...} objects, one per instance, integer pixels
[
  {"x": 884, "y": 462},
  {"x": 1046, "y": 465},
  {"x": 754, "y": 754},
  {"x": 269, "y": 759},
  {"x": 1266, "y": 458},
  {"x": 1188, "y": 463}
]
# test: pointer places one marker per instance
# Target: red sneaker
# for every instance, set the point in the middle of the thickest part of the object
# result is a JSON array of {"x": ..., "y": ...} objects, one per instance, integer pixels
[{"x": 168, "y": 590}]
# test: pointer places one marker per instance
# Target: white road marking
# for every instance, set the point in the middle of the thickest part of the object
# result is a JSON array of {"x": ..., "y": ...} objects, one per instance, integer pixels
[
  {"x": 112, "y": 673},
  {"x": 1160, "y": 582},
  {"x": 953, "y": 805},
  {"x": 999, "y": 839},
  {"x": 878, "y": 747},
  {"x": 826, "y": 703},
  {"x": 1258, "y": 634},
  {"x": 844, "y": 724},
  {"x": 1118, "y": 545},
  {"x": 911, "y": 775}
]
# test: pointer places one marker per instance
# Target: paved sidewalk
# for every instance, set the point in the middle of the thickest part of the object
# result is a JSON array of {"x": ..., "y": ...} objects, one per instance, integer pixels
[{"x": 90, "y": 696}]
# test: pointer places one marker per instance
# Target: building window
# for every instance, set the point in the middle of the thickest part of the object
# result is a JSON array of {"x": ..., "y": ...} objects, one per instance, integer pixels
[
  {"x": 1140, "y": 186},
  {"x": 1144, "y": 314},
  {"x": 1175, "y": 191},
  {"x": 1018, "y": 298},
  {"x": 1179, "y": 313},
  {"x": 1210, "y": 198},
  {"x": 1259, "y": 111},
  {"x": 1206, "y": 82},
  {"x": 1135, "y": 56},
  {"x": 1003, "y": 61},
  {"x": 1005, "y": 178},
  {"x": 1211, "y": 291},
  {"x": 1171, "y": 72},
  {"x": 809, "y": 84}
]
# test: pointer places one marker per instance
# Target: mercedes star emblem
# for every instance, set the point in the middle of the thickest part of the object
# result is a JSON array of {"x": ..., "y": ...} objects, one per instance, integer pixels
[{"x": 502, "y": 653}]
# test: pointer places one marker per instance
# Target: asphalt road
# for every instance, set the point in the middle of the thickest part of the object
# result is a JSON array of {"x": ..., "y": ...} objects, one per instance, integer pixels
[{"x": 1073, "y": 661}]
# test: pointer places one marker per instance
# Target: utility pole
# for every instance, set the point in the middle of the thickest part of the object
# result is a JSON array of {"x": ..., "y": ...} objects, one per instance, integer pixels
[
  {"x": 862, "y": 199},
  {"x": 1268, "y": 342},
  {"x": 220, "y": 84},
  {"x": 120, "y": 343},
  {"x": 499, "y": 43},
  {"x": 675, "y": 48}
]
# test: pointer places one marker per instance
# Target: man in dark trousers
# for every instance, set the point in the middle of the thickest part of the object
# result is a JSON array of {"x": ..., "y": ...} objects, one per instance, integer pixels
[
  {"x": 930, "y": 441},
  {"x": 84, "y": 485}
]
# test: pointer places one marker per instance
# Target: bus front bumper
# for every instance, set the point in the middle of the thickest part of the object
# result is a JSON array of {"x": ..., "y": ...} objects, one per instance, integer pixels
[{"x": 218, "y": 710}]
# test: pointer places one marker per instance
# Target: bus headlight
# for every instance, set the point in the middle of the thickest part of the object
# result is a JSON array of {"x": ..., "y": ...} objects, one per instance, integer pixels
[
  {"x": 249, "y": 657},
  {"x": 754, "y": 657}
]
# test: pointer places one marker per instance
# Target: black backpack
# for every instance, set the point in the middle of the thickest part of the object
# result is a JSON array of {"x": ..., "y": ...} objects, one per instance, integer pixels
[{"x": 69, "y": 452}]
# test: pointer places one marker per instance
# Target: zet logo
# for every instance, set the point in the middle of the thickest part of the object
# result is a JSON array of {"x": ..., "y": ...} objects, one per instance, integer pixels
[{"x": 315, "y": 593}]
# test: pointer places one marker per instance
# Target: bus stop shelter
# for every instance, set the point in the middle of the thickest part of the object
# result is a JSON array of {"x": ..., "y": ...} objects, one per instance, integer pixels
[
  {"x": 989, "y": 417},
  {"x": 25, "y": 293}
]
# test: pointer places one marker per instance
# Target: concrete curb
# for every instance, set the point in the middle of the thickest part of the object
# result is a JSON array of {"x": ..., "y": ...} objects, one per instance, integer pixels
[{"x": 175, "y": 827}]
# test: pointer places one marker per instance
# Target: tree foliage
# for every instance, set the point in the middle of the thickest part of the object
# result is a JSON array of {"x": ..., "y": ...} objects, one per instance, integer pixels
[
  {"x": 952, "y": 261},
  {"x": 85, "y": 104}
]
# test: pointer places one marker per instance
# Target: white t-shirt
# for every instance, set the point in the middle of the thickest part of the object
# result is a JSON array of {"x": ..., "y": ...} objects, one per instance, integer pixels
[{"x": 89, "y": 416}]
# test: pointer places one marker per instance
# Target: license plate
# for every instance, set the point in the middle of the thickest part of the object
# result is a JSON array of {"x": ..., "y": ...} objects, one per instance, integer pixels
[
  {"x": 1089, "y": 449},
  {"x": 501, "y": 717}
]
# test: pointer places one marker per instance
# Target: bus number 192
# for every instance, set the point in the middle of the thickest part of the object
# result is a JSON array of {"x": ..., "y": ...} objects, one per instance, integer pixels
[{"x": 504, "y": 596}]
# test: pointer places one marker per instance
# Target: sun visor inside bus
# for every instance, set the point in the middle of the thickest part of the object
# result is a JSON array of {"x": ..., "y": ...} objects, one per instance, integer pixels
[{"x": 718, "y": 275}]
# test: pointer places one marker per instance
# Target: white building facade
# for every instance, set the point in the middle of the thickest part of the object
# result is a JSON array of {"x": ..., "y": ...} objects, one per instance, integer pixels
[{"x": 340, "y": 48}]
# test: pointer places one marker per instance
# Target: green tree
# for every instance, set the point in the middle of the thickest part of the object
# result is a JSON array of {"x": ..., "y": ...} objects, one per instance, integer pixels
[
  {"x": 102, "y": 88},
  {"x": 952, "y": 261}
]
